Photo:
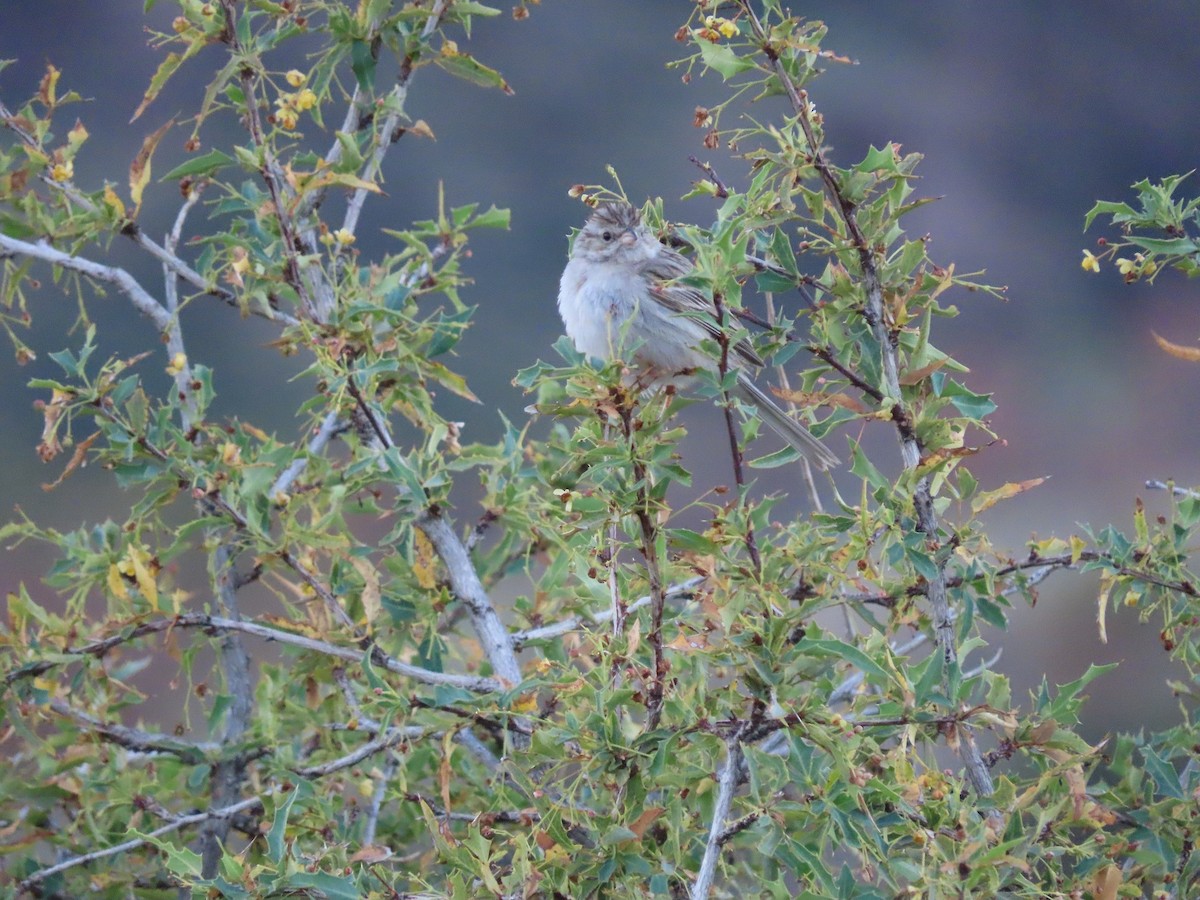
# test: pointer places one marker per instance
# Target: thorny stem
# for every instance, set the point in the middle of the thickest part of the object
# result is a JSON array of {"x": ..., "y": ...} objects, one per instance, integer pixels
[
  {"x": 649, "y": 549},
  {"x": 885, "y": 337},
  {"x": 735, "y": 446}
]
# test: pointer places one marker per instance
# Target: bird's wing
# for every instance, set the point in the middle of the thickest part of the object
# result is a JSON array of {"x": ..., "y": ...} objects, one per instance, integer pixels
[{"x": 681, "y": 298}]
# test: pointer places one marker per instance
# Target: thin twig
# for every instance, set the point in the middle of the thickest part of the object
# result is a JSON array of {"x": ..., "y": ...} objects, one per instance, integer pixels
[
  {"x": 138, "y": 741},
  {"x": 476, "y": 683},
  {"x": 735, "y": 445},
  {"x": 1155, "y": 485},
  {"x": 575, "y": 623},
  {"x": 390, "y": 739},
  {"x": 178, "y": 823}
]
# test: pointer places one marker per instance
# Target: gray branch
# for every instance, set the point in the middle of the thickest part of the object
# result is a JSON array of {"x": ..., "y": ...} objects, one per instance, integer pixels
[
  {"x": 726, "y": 786},
  {"x": 119, "y": 278}
]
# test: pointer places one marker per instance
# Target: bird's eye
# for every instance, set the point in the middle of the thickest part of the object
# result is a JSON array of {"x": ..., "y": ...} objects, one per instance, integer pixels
[{"x": 606, "y": 236}]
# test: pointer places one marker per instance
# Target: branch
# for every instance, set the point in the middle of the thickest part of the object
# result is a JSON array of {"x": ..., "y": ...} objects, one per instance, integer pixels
[
  {"x": 386, "y": 741},
  {"x": 136, "y": 740},
  {"x": 873, "y": 312},
  {"x": 1176, "y": 491},
  {"x": 330, "y": 427},
  {"x": 387, "y": 133},
  {"x": 468, "y": 589},
  {"x": 726, "y": 786},
  {"x": 575, "y": 623},
  {"x": 475, "y": 683},
  {"x": 273, "y": 177},
  {"x": 119, "y": 278},
  {"x": 181, "y": 822},
  {"x": 227, "y": 776}
]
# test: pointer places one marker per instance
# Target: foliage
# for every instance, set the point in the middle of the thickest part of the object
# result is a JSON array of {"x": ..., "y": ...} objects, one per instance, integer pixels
[{"x": 765, "y": 704}]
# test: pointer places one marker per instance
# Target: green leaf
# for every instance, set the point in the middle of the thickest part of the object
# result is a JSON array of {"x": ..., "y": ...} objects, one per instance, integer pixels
[
  {"x": 363, "y": 64},
  {"x": 275, "y": 837},
  {"x": 972, "y": 405},
  {"x": 201, "y": 165},
  {"x": 1163, "y": 773},
  {"x": 848, "y": 652},
  {"x": 461, "y": 65},
  {"x": 720, "y": 58}
]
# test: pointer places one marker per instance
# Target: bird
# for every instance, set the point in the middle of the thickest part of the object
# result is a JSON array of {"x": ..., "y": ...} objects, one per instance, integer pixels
[{"x": 620, "y": 290}]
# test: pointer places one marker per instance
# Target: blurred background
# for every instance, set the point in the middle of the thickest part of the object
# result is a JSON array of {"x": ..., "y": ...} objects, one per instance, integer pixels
[{"x": 1026, "y": 113}]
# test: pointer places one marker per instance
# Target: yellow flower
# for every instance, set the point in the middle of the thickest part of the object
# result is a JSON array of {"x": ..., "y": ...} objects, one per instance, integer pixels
[
  {"x": 306, "y": 99},
  {"x": 295, "y": 77},
  {"x": 344, "y": 236},
  {"x": 723, "y": 26},
  {"x": 1090, "y": 263},
  {"x": 286, "y": 118},
  {"x": 63, "y": 171},
  {"x": 178, "y": 363},
  {"x": 1125, "y": 266}
]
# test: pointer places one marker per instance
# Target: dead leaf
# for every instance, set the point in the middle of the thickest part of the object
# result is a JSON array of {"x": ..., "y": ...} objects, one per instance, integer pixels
[
  {"x": 646, "y": 819},
  {"x": 988, "y": 499},
  {"x": 139, "y": 170},
  {"x": 1191, "y": 354},
  {"x": 914, "y": 376}
]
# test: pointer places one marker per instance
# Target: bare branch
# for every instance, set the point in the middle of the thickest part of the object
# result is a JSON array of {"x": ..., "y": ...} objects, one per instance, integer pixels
[
  {"x": 393, "y": 737},
  {"x": 181, "y": 822},
  {"x": 387, "y": 132},
  {"x": 142, "y": 301},
  {"x": 464, "y": 582},
  {"x": 136, "y": 740},
  {"x": 726, "y": 785},
  {"x": 575, "y": 623},
  {"x": 475, "y": 683},
  {"x": 1176, "y": 491},
  {"x": 330, "y": 427}
]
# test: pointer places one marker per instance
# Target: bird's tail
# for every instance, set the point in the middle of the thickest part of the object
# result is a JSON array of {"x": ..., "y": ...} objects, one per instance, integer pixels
[{"x": 785, "y": 426}]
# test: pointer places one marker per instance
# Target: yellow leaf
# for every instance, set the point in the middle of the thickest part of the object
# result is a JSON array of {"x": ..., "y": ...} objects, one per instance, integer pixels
[
  {"x": 116, "y": 584},
  {"x": 114, "y": 203},
  {"x": 988, "y": 499},
  {"x": 146, "y": 582},
  {"x": 421, "y": 129},
  {"x": 424, "y": 564},
  {"x": 1191, "y": 354},
  {"x": 1106, "y": 584},
  {"x": 1078, "y": 545},
  {"x": 370, "y": 593},
  {"x": 139, "y": 170},
  {"x": 47, "y": 90},
  {"x": 689, "y": 642},
  {"x": 526, "y": 703}
]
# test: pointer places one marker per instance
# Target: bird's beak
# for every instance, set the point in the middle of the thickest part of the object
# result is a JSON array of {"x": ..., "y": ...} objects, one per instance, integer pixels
[{"x": 628, "y": 237}]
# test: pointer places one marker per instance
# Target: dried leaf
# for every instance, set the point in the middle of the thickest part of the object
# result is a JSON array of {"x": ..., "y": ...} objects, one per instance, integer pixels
[
  {"x": 76, "y": 460},
  {"x": 915, "y": 376},
  {"x": 1191, "y": 354},
  {"x": 371, "y": 593},
  {"x": 139, "y": 170},
  {"x": 989, "y": 499},
  {"x": 646, "y": 819}
]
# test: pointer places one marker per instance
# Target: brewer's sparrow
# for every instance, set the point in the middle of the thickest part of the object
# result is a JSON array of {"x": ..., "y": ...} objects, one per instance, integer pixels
[{"x": 620, "y": 285}]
